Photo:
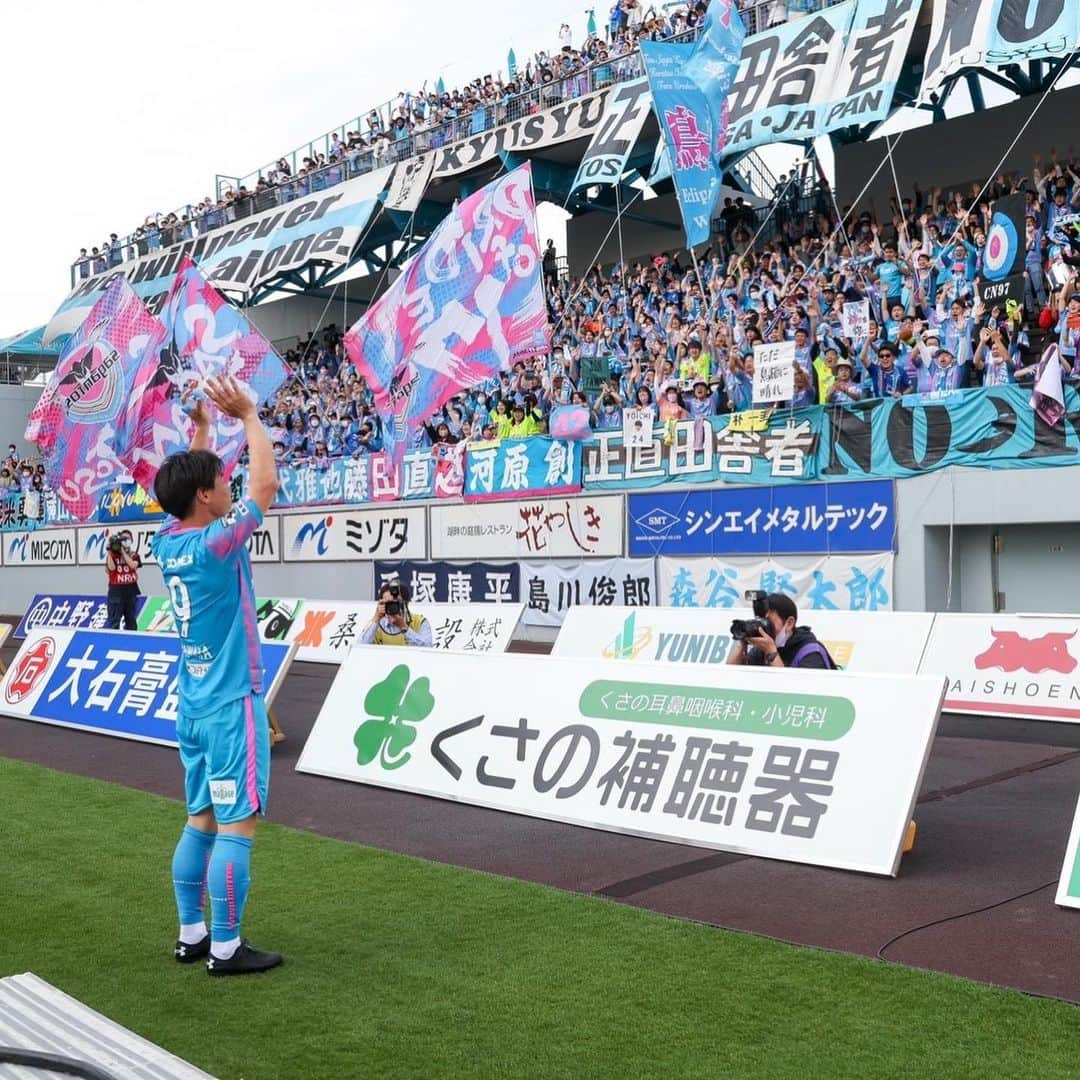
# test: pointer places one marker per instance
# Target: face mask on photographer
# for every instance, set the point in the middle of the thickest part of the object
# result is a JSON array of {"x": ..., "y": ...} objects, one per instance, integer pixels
[{"x": 782, "y": 628}]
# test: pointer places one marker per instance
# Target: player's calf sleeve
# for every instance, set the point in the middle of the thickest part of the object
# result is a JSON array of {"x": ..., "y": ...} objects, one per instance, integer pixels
[
  {"x": 228, "y": 879},
  {"x": 189, "y": 873}
]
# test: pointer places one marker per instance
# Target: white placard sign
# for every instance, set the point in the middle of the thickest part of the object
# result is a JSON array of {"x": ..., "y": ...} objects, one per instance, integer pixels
[
  {"x": 1023, "y": 666},
  {"x": 637, "y": 426},
  {"x": 855, "y": 320},
  {"x": 551, "y": 589},
  {"x": 774, "y": 372},
  {"x": 885, "y": 643},
  {"x": 540, "y": 528},
  {"x": 815, "y": 767},
  {"x": 344, "y": 534}
]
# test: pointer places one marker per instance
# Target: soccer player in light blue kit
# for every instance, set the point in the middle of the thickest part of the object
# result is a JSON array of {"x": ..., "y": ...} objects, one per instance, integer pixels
[{"x": 222, "y": 724}]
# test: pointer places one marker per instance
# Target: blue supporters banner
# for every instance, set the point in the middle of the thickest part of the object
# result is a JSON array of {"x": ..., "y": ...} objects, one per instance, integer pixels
[
  {"x": 530, "y": 467},
  {"x": 108, "y": 681},
  {"x": 72, "y": 612},
  {"x": 809, "y": 519},
  {"x": 776, "y": 448},
  {"x": 440, "y": 582},
  {"x": 714, "y": 61},
  {"x": 991, "y": 428},
  {"x": 687, "y": 126},
  {"x": 127, "y": 503}
]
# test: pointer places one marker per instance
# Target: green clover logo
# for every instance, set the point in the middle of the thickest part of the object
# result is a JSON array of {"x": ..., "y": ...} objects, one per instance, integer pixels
[{"x": 393, "y": 706}]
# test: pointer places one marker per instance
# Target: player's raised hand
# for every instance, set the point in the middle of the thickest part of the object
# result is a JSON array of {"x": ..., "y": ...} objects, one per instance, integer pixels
[{"x": 229, "y": 396}]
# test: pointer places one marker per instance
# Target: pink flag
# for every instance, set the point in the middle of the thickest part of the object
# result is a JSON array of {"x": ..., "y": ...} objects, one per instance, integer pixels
[
  {"x": 85, "y": 420},
  {"x": 569, "y": 422},
  {"x": 468, "y": 305},
  {"x": 1048, "y": 397},
  {"x": 202, "y": 336}
]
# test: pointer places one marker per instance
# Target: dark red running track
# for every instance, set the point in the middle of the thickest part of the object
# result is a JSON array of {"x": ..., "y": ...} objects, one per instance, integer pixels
[{"x": 994, "y": 817}]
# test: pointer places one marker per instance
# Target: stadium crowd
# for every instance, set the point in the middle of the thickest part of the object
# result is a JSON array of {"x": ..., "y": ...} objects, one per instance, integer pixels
[
  {"x": 429, "y": 117},
  {"x": 654, "y": 333}
]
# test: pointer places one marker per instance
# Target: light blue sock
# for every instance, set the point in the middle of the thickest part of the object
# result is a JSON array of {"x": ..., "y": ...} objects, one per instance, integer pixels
[
  {"x": 229, "y": 877},
  {"x": 189, "y": 873}
]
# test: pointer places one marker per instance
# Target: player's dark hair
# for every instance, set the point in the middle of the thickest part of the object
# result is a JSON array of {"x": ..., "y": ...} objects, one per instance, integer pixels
[{"x": 182, "y": 476}]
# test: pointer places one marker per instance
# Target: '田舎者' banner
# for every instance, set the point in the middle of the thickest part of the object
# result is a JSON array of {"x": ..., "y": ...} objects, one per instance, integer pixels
[
  {"x": 244, "y": 254},
  {"x": 826, "y": 583},
  {"x": 831, "y": 69},
  {"x": 816, "y": 767}
]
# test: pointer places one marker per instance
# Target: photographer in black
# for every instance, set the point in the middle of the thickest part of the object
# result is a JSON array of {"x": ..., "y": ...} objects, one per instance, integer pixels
[
  {"x": 393, "y": 623},
  {"x": 122, "y": 566},
  {"x": 771, "y": 638}
]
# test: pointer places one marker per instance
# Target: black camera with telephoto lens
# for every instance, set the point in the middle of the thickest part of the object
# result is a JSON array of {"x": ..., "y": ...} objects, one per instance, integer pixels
[
  {"x": 116, "y": 544},
  {"x": 395, "y": 606},
  {"x": 741, "y": 629}
]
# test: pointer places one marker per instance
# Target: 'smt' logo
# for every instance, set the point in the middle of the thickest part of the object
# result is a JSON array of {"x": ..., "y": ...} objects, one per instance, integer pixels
[{"x": 1011, "y": 652}]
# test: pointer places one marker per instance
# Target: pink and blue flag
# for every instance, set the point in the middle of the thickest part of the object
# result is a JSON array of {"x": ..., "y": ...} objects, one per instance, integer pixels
[
  {"x": 469, "y": 305},
  {"x": 203, "y": 336},
  {"x": 86, "y": 418}
]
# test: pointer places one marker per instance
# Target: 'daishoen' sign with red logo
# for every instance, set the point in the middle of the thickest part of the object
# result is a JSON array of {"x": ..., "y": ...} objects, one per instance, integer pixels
[{"x": 1023, "y": 666}]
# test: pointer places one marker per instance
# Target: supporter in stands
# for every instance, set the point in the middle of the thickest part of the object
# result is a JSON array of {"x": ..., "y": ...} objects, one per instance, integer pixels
[{"x": 393, "y": 623}]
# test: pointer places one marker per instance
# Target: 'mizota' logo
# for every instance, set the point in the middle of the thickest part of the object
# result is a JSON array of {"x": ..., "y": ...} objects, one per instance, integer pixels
[{"x": 313, "y": 530}]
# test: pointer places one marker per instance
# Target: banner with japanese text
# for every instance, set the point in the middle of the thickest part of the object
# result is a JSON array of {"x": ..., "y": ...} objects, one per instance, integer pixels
[
  {"x": 550, "y": 589},
  {"x": 69, "y": 611},
  {"x": 889, "y": 643},
  {"x": 833, "y": 68},
  {"x": 348, "y": 534},
  {"x": 516, "y": 468},
  {"x": 808, "y": 519},
  {"x": 545, "y": 528},
  {"x": 108, "y": 681},
  {"x": 438, "y": 582},
  {"x": 827, "y": 583},
  {"x": 323, "y": 631},
  {"x": 812, "y": 767}
]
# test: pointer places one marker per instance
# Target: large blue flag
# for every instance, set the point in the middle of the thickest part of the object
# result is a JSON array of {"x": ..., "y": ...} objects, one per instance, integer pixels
[
  {"x": 714, "y": 62},
  {"x": 687, "y": 125}
]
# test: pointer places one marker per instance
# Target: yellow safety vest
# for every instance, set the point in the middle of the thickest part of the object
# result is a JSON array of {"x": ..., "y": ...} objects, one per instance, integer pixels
[{"x": 384, "y": 637}]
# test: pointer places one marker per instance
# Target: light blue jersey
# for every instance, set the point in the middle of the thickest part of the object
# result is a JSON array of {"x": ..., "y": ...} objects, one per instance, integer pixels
[{"x": 208, "y": 577}]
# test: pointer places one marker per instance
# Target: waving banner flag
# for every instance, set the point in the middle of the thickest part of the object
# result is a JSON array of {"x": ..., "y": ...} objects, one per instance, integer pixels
[
  {"x": 714, "y": 62},
  {"x": 203, "y": 336},
  {"x": 85, "y": 419},
  {"x": 468, "y": 305},
  {"x": 1048, "y": 397},
  {"x": 625, "y": 114},
  {"x": 692, "y": 140}
]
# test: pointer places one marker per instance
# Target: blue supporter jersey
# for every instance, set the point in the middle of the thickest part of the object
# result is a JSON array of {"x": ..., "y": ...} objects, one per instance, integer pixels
[{"x": 208, "y": 577}]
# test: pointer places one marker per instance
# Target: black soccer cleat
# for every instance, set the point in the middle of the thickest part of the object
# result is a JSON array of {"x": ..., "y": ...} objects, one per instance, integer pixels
[
  {"x": 188, "y": 954},
  {"x": 245, "y": 961}
]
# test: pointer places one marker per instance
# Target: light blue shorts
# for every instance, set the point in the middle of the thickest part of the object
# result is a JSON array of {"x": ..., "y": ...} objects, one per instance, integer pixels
[{"x": 226, "y": 759}]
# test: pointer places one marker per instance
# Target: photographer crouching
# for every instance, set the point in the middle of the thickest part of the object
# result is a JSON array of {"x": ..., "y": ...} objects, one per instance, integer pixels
[
  {"x": 771, "y": 638},
  {"x": 393, "y": 623},
  {"x": 122, "y": 566}
]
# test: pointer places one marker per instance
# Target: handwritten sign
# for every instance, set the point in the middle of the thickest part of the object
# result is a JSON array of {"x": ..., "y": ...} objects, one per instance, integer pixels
[{"x": 774, "y": 372}]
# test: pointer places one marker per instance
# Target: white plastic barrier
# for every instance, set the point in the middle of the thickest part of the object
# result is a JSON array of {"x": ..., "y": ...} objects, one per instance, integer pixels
[{"x": 809, "y": 766}]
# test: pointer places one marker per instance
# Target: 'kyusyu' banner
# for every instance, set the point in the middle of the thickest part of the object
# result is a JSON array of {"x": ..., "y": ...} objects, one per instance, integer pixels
[{"x": 245, "y": 254}]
